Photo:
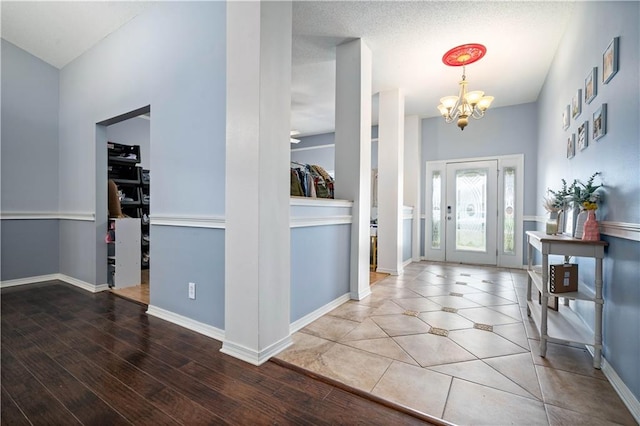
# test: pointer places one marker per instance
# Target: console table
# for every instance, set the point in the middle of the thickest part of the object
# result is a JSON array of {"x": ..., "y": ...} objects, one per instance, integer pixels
[{"x": 564, "y": 325}]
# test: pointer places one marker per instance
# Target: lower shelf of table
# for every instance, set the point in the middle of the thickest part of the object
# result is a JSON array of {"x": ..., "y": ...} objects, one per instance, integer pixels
[{"x": 563, "y": 325}]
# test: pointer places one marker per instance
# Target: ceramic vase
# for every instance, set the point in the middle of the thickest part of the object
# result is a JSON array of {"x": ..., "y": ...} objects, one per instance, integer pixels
[{"x": 591, "y": 228}]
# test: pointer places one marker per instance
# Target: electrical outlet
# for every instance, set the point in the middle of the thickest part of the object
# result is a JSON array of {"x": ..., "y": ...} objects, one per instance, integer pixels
[{"x": 192, "y": 290}]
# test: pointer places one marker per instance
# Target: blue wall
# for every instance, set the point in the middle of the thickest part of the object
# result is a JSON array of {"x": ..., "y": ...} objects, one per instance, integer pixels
[
  {"x": 171, "y": 57},
  {"x": 502, "y": 131},
  {"x": 616, "y": 155},
  {"x": 319, "y": 267},
  {"x": 29, "y": 156}
]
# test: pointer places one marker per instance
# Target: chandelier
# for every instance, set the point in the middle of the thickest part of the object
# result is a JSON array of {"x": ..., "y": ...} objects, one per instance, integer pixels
[{"x": 466, "y": 104}]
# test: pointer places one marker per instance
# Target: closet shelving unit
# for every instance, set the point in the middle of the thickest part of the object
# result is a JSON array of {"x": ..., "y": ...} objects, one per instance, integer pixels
[{"x": 133, "y": 184}]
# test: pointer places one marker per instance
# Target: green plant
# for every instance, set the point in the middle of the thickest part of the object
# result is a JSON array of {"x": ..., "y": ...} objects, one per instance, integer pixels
[
  {"x": 560, "y": 198},
  {"x": 586, "y": 193}
]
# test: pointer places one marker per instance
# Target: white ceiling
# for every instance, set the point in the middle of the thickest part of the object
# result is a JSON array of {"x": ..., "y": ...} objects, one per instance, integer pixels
[{"x": 407, "y": 40}]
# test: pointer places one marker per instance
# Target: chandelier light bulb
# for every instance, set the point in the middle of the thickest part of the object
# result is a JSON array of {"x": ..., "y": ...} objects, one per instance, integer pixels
[{"x": 466, "y": 104}]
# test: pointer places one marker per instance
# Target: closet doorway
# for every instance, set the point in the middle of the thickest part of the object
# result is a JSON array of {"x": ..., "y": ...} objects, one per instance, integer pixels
[
  {"x": 474, "y": 211},
  {"x": 128, "y": 235}
]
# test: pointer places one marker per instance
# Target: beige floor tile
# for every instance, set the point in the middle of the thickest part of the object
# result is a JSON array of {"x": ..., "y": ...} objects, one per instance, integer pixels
[
  {"x": 351, "y": 366},
  {"x": 419, "y": 304},
  {"x": 367, "y": 329},
  {"x": 393, "y": 292},
  {"x": 567, "y": 358},
  {"x": 583, "y": 394},
  {"x": 429, "y": 278},
  {"x": 429, "y": 290},
  {"x": 445, "y": 320},
  {"x": 478, "y": 372},
  {"x": 389, "y": 307},
  {"x": 372, "y": 345},
  {"x": 484, "y": 315},
  {"x": 330, "y": 328},
  {"x": 473, "y": 404},
  {"x": 420, "y": 389},
  {"x": 487, "y": 299},
  {"x": 461, "y": 288},
  {"x": 514, "y": 333},
  {"x": 484, "y": 344},
  {"x": 513, "y": 310},
  {"x": 306, "y": 349},
  {"x": 563, "y": 417},
  {"x": 400, "y": 325},
  {"x": 429, "y": 349},
  {"x": 352, "y": 311},
  {"x": 530, "y": 327},
  {"x": 520, "y": 370},
  {"x": 454, "y": 302},
  {"x": 386, "y": 347}
]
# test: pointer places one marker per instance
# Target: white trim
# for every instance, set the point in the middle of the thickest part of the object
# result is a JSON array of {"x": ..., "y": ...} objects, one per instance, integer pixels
[
  {"x": 625, "y": 230},
  {"x": 29, "y": 280},
  {"x": 93, "y": 288},
  {"x": 87, "y": 216},
  {"x": 407, "y": 262},
  {"x": 188, "y": 323},
  {"x": 323, "y": 310},
  {"x": 300, "y": 222},
  {"x": 319, "y": 202},
  {"x": 628, "y": 231},
  {"x": 214, "y": 222},
  {"x": 393, "y": 272},
  {"x": 620, "y": 387},
  {"x": 331, "y": 145},
  {"x": 255, "y": 357}
]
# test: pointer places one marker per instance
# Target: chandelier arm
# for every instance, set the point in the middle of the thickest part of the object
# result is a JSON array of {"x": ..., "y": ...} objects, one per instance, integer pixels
[{"x": 477, "y": 113}]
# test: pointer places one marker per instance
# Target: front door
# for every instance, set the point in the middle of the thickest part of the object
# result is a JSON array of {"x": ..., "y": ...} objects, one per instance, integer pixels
[{"x": 471, "y": 212}]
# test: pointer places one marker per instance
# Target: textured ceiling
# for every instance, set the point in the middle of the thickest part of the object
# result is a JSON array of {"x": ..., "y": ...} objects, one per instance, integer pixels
[{"x": 407, "y": 40}]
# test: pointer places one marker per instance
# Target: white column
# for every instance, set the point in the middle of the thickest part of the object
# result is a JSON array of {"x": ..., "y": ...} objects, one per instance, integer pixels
[
  {"x": 390, "y": 181},
  {"x": 353, "y": 152},
  {"x": 257, "y": 235},
  {"x": 412, "y": 159}
]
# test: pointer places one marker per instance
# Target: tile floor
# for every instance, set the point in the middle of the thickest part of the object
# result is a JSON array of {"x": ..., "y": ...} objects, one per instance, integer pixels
[{"x": 454, "y": 342}]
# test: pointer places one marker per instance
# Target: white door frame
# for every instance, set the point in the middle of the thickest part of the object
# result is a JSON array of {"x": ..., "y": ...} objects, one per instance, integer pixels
[{"x": 511, "y": 259}]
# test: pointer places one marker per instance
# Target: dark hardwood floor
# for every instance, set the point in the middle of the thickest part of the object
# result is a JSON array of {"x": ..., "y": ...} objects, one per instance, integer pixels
[{"x": 72, "y": 357}]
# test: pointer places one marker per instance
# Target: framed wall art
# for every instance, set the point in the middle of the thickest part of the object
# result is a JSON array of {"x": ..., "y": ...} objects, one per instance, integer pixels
[
  {"x": 571, "y": 146},
  {"x": 610, "y": 61},
  {"x": 565, "y": 117},
  {"x": 599, "y": 122},
  {"x": 576, "y": 104},
  {"x": 591, "y": 86},
  {"x": 583, "y": 135}
]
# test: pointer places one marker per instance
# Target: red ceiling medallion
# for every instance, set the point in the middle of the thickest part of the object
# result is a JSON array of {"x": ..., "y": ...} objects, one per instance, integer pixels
[{"x": 464, "y": 55}]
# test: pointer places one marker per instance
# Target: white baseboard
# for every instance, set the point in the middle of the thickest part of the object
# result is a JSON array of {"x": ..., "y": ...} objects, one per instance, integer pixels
[
  {"x": 625, "y": 394},
  {"x": 93, "y": 288},
  {"x": 182, "y": 321},
  {"x": 407, "y": 262},
  {"x": 29, "y": 280},
  {"x": 252, "y": 356},
  {"x": 311, "y": 317},
  {"x": 393, "y": 272}
]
